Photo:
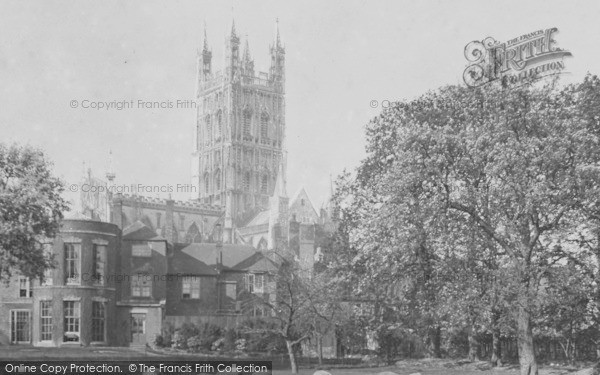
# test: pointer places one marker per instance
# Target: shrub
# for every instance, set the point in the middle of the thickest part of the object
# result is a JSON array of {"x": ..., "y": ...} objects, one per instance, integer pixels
[
  {"x": 194, "y": 343},
  {"x": 209, "y": 333},
  {"x": 260, "y": 336},
  {"x": 179, "y": 341},
  {"x": 158, "y": 341},
  {"x": 217, "y": 344},
  {"x": 167, "y": 334},
  {"x": 230, "y": 337},
  {"x": 240, "y": 345}
]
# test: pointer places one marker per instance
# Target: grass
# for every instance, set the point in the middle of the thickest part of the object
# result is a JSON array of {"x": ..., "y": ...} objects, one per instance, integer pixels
[{"x": 424, "y": 367}]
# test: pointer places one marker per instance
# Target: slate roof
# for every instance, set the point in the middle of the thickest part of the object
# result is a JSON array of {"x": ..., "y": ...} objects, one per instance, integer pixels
[
  {"x": 261, "y": 218},
  {"x": 140, "y": 231},
  {"x": 201, "y": 259}
]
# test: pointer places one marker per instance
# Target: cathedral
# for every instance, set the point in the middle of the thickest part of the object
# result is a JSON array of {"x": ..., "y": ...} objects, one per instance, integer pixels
[
  {"x": 128, "y": 265},
  {"x": 238, "y": 162}
]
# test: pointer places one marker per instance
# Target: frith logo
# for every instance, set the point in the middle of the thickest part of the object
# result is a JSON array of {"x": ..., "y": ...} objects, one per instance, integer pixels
[{"x": 526, "y": 58}]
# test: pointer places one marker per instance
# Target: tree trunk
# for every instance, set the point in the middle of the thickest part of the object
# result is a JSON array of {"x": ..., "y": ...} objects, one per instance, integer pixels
[
  {"x": 435, "y": 342},
  {"x": 496, "y": 349},
  {"x": 527, "y": 358},
  {"x": 320, "y": 349},
  {"x": 473, "y": 345},
  {"x": 292, "y": 354}
]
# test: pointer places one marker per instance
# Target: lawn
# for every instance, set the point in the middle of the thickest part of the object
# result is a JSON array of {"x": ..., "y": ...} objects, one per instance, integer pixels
[{"x": 424, "y": 367}]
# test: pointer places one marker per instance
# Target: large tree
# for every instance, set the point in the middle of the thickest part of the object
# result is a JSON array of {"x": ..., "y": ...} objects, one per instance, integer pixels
[
  {"x": 31, "y": 208},
  {"x": 297, "y": 306},
  {"x": 508, "y": 160}
]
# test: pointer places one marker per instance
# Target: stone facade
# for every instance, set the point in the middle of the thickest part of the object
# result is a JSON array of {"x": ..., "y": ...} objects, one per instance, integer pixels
[
  {"x": 137, "y": 263},
  {"x": 240, "y": 131}
]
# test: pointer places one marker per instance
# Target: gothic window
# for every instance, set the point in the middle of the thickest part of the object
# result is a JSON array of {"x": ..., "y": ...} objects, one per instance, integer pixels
[
  {"x": 247, "y": 181},
  {"x": 206, "y": 183},
  {"x": 264, "y": 184},
  {"x": 218, "y": 181},
  {"x": 247, "y": 122},
  {"x": 264, "y": 126},
  {"x": 193, "y": 234},
  {"x": 219, "y": 123},
  {"x": 208, "y": 128},
  {"x": 239, "y": 157}
]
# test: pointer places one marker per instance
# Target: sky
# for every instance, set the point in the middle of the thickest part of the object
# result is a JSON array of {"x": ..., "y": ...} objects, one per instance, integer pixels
[{"x": 344, "y": 59}]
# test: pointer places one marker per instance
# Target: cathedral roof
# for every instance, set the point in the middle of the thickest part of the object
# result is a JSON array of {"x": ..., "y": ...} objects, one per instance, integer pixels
[
  {"x": 259, "y": 219},
  {"x": 140, "y": 231},
  {"x": 302, "y": 194}
]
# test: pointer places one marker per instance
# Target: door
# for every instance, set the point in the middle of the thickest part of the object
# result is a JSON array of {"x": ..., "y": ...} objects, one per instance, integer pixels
[
  {"x": 138, "y": 329},
  {"x": 19, "y": 326}
]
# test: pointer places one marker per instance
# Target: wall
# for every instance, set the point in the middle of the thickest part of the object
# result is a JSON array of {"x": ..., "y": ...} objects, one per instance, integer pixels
[{"x": 84, "y": 233}]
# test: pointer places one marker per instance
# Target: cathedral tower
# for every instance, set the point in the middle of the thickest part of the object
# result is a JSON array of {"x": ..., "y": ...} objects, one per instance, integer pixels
[{"x": 239, "y": 134}]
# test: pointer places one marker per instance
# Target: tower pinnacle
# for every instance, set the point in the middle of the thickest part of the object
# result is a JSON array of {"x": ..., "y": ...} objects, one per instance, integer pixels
[
  {"x": 205, "y": 47},
  {"x": 110, "y": 173},
  {"x": 233, "y": 33},
  {"x": 247, "y": 56},
  {"x": 277, "y": 37}
]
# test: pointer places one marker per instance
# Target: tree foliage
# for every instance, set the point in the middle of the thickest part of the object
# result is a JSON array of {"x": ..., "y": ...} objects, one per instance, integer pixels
[
  {"x": 31, "y": 208},
  {"x": 462, "y": 200}
]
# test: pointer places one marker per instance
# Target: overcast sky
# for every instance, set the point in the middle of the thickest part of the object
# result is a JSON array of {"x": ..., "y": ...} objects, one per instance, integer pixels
[{"x": 340, "y": 56}]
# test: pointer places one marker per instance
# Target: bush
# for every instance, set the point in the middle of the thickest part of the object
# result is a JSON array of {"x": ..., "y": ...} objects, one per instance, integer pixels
[
  {"x": 194, "y": 337},
  {"x": 179, "y": 341},
  {"x": 209, "y": 333},
  {"x": 240, "y": 345},
  {"x": 167, "y": 334},
  {"x": 260, "y": 337},
  {"x": 230, "y": 337},
  {"x": 217, "y": 344},
  {"x": 158, "y": 341},
  {"x": 194, "y": 343}
]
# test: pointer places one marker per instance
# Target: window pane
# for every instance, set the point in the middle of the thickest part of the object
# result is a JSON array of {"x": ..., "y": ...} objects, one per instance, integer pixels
[
  {"x": 45, "y": 320},
  {"x": 71, "y": 321},
  {"x": 98, "y": 321},
  {"x": 72, "y": 263},
  {"x": 99, "y": 264},
  {"x": 141, "y": 250}
]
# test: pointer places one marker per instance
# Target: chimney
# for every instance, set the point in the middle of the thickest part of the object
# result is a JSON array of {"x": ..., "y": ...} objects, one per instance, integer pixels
[
  {"x": 117, "y": 211},
  {"x": 169, "y": 221}
]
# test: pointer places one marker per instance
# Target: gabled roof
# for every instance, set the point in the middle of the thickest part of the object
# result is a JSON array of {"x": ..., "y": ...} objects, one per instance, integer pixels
[
  {"x": 201, "y": 258},
  {"x": 259, "y": 219},
  {"x": 302, "y": 194},
  {"x": 188, "y": 263},
  {"x": 258, "y": 262},
  {"x": 140, "y": 231}
]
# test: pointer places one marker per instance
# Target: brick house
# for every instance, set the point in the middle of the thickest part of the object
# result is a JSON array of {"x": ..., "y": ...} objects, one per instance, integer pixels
[{"x": 118, "y": 288}]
